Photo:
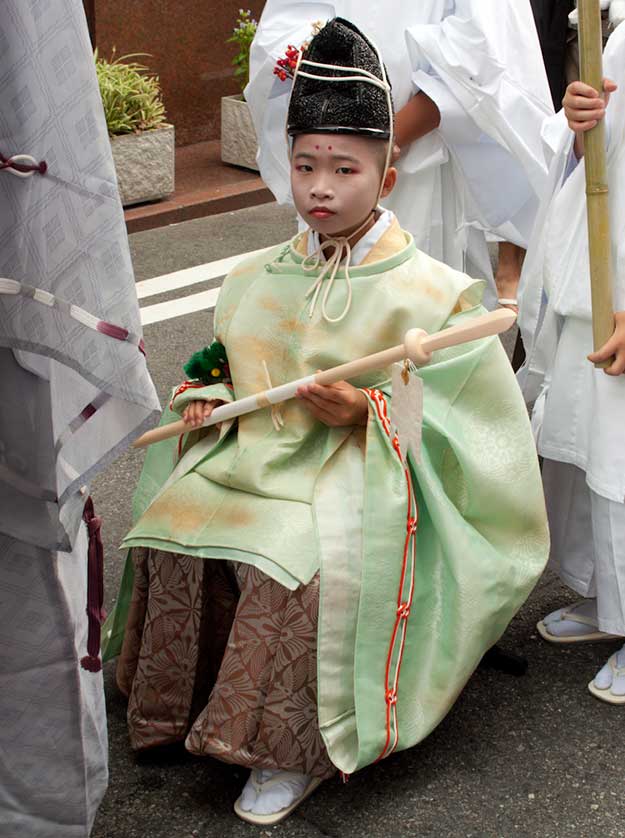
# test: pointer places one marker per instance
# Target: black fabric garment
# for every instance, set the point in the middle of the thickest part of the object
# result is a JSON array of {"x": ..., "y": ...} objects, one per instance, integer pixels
[{"x": 551, "y": 18}]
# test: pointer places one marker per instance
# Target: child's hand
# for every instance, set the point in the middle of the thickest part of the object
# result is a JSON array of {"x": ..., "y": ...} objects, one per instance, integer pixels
[
  {"x": 583, "y": 106},
  {"x": 336, "y": 405},
  {"x": 614, "y": 347},
  {"x": 197, "y": 412}
]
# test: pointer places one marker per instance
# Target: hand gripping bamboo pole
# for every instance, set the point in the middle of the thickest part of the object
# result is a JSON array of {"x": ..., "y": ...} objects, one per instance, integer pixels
[
  {"x": 417, "y": 346},
  {"x": 591, "y": 44}
]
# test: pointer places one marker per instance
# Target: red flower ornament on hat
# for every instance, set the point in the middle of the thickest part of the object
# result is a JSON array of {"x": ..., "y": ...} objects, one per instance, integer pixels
[{"x": 286, "y": 66}]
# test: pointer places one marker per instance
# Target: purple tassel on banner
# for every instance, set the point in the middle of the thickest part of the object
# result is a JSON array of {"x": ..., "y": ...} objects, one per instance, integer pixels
[{"x": 95, "y": 588}]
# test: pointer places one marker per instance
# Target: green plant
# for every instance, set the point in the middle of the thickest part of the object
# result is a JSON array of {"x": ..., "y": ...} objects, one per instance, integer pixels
[
  {"x": 131, "y": 97},
  {"x": 243, "y": 35}
]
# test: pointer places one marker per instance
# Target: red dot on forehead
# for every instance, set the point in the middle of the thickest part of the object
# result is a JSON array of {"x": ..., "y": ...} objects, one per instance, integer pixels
[
  {"x": 317, "y": 147},
  {"x": 329, "y": 148}
]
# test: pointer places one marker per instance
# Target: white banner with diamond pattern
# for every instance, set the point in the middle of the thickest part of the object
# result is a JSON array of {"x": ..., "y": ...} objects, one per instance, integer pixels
[{"x": 68, "y": 307}]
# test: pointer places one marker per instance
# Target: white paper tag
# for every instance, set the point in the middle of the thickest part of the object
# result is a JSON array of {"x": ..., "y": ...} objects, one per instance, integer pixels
[{"x": 407, "y": 411}]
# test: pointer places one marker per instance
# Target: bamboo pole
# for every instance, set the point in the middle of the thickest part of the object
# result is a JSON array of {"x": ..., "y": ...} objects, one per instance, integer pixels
[
  {"x": 599, "y": 244},
  {"x": 417, "y": 346}
]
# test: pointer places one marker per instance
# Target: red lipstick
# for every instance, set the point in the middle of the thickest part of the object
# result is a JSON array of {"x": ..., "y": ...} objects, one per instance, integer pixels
[{"x": 321, "y": 212}]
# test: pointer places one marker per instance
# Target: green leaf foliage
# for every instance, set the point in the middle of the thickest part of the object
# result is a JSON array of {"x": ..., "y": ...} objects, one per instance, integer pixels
[
  {"x": 242, "y": 36},
  {"x": 130, "y": 94}
]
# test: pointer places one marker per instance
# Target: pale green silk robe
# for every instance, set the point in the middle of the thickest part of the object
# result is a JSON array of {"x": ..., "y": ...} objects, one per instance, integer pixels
[{"x": 310, "y": 498}]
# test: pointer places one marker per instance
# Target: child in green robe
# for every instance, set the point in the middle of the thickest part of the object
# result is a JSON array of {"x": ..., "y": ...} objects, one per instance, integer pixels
[{"x": 306, "y": 597}]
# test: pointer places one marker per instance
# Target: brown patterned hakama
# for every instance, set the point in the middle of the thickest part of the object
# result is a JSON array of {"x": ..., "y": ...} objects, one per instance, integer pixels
[{"x": 225, "y": 656}]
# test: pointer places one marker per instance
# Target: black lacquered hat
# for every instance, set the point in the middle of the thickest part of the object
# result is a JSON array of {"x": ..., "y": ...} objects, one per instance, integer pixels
[{"x": 353, "y": 100}]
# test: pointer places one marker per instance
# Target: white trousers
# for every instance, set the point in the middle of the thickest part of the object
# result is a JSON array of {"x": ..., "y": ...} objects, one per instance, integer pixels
[
  {"x": 53, "y": 746},
  {"x": 587, "y": 541}
]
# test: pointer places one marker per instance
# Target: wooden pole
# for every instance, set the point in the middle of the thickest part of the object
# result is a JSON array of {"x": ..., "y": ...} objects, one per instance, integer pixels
[
  {"x": 599, "y": 243},
  {"x": 417, "y": 346}
]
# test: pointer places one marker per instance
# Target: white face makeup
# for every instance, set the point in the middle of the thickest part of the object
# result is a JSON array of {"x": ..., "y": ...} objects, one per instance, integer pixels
[{"x": 335, "y": 180}]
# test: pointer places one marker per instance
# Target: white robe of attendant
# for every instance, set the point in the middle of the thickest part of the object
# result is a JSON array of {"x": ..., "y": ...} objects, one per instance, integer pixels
[
  {"x": 483, "y": 169},
  {"x": 579, "y": 412}
]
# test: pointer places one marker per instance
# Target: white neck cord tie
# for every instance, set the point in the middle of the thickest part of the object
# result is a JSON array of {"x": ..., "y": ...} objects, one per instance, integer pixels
[{"x": 342, "y": 248}]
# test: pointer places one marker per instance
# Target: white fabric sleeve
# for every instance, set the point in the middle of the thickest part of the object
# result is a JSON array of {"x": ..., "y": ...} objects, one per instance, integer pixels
[
  {"x": 614, "y": 68},
  {"x": 483, "y": 68},
  {"x": 485, "y": 164}
]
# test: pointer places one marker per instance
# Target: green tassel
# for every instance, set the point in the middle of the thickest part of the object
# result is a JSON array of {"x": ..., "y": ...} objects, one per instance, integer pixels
[{"x": 209, "y": 365}]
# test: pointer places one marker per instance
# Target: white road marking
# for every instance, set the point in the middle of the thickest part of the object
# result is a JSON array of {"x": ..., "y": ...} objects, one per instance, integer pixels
[
  {"x": 177, "y": 308},
  {"x": 190, "y": 276}
]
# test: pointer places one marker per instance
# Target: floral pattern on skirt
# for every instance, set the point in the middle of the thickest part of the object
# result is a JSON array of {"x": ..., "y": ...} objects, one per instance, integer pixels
[{"x": 223, "y": 653}]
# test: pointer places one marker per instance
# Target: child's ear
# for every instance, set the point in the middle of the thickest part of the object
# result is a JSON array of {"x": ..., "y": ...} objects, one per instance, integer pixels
[{"x": 389, "y": 182}]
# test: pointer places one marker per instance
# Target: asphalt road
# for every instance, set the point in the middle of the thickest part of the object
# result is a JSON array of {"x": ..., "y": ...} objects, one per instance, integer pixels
[{"x": 530, "y": 756}]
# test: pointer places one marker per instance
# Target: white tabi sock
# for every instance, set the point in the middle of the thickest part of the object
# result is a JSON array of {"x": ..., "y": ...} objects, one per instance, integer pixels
[
  {"x": 608, "y": 679},
  {"x": 558, "y": 627},
  {"x": 278, "y": 795}
]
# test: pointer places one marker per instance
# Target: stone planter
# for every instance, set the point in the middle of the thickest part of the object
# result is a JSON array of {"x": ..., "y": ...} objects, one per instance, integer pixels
[
  {"x": 145, "y": 164},
  {"x": 238, "y": 137}
]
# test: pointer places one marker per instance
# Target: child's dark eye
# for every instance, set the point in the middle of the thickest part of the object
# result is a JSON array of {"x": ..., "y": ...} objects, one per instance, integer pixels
[
  {"x": 304, "y": 167},
  {"x": 345, "y": 170}
]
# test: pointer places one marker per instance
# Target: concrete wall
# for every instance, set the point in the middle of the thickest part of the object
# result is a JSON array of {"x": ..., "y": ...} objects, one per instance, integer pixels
[{"x": 186, "y": 39}]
